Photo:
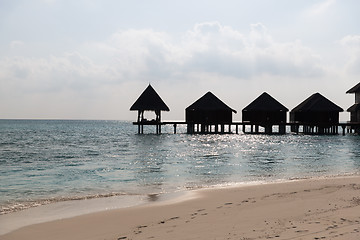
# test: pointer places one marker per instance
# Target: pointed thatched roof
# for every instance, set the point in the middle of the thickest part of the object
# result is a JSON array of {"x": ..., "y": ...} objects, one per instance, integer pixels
[
  {"x": 149, "y": 100},
  {"x": 265, "y": 103},
  {"x": 354, "y": 108},
  {"x": 317, "y": 103},
  {"x": 209, "y": 102},
  {"x": 354, "y": 89}
]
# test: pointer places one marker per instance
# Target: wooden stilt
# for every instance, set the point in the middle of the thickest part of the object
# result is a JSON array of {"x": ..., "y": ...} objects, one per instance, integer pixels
[{"x": 282, "y": 129}]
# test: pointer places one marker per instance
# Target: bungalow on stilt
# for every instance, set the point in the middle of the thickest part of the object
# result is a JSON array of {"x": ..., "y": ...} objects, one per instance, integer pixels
[
  {"x": 355, "y": 109},
  {"x": 265, "y": 111},
  {"x": 317, "y": 115},
  {"x": 207, "y": 113},
  {"x": 149, "y": 100}
]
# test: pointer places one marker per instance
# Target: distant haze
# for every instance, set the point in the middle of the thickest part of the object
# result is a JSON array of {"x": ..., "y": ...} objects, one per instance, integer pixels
[{"x": 92, "y": 59}]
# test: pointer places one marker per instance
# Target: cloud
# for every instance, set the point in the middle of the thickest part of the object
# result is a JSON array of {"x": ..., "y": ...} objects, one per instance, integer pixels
[
  {"x": 53, "y": 74},
  {"x": 99, "y": 72},
  {"x": 351, "y": 41},
  {"x": 208, "y": 47},
  {"x": 320, "y": 8},
  {"x": 223, "y": 50},
  {"x": 352, "y": 44},
  {"x": 16, "y": 43},
  {"x": 148, "y": 55}
]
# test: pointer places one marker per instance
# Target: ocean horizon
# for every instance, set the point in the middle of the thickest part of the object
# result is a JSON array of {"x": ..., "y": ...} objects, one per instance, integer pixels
[{"x": 49, "y": 161}]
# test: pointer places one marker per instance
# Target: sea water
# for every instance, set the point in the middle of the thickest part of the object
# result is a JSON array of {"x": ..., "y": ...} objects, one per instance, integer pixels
[{"x": 54, "y": 161}]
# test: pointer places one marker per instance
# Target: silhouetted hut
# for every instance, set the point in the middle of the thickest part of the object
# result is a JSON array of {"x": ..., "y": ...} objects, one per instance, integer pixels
[
  {"x": 316, "y": 114},
  {"x": 149, "y": 100},
  {"x": 206, "y": 112},
  {"x": 355, "y": 109},
  {"x": 265, "y": 111}
]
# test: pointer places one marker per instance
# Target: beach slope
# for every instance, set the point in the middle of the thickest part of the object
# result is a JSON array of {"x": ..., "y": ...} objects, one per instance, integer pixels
[{"x": 326, "y": 208}]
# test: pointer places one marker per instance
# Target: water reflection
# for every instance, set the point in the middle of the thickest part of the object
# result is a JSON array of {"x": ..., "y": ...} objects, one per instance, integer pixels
[
  {"x": 264, "y": 155},
  {"x": 149, "y": 160},
  {"x": 163, "y": 161},
  {"x": 352, "y": 149},
  {"x": 208, "y": 159}
]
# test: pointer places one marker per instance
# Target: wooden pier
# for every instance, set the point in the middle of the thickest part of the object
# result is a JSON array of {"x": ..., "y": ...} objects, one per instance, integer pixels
[{"x": 298, "y": 128}]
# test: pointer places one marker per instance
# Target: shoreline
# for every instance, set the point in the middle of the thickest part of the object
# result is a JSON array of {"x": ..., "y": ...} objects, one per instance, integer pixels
[
  {"x": 65, "y": 209},
  {"x": 76, "y": 206},
  {"x": 251, "y": 210}
]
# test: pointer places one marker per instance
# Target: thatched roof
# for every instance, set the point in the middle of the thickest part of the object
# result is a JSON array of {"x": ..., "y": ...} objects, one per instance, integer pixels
[
  {"x": 149, "y": 100},
  {"x": 265, "y": 103},
  {"x": 354, "y": 89},
  {"x": 354, "y": 108},
  {"x": 209, "y": 102},
  {"x": 317, "y": 103}
]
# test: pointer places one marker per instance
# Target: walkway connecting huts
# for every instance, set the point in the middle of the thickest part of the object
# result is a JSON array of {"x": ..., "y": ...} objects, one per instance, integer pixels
[
  {"x": 149, "y": 100},
  {"x": 265, "y": 111},
  {"x": 317, "y": 115},
  {"x": 207, "y": 114},
  {"x": 355, "y": 109}
]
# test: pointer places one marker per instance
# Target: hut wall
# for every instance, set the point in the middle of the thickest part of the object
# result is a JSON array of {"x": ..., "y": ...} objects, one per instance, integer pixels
[
  {"x": 209, "y": 117},
  {"x": 356, "y": 116},
  {"x": 264, "y": 117},
  {"x": 292, "y": 117},
  {"x": 315, "y": 117},
  {"x": 353, "y": 116}
]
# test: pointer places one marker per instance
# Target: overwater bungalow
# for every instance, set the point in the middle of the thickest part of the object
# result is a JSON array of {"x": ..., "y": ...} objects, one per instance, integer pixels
[
  {"x": 149, "y": 100},
  {"x": 265, "y": 111},
  {"x": 355, "y": 109},
  {"x": 207, "y": 113},
  {"x": 317, "y": 115}
]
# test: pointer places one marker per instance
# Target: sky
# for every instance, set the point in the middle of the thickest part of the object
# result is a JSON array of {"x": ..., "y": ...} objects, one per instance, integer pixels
[{"x": 91, "y": 59}]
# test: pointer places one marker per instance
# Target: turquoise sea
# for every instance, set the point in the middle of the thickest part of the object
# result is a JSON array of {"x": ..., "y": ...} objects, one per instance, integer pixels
[{"x": 45, "y": 161}]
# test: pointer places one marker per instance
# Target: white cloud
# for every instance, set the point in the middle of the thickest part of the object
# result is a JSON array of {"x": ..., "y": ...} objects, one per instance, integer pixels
[
  {"x": 352, "y": 44},
  {"x": 16, "y": 43},
  {"x": 320, "y": 8},
  {"x": 148, "y": 55},
  {"x": 54, "y": 74},
  {"x": 208, "y": 47},
  {"x": 352, "y": 41},
  {"x": 260, "y": 36},
  {"x": 96, "y": 73},
  {"x": 223, "y": 50}
]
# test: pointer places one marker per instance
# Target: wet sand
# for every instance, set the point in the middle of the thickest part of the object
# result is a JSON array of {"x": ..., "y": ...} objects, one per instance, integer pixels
[{"x": 326, "y": 208}]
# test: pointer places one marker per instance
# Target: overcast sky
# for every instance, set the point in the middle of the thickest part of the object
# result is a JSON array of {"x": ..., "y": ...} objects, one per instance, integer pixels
[{"x": 91, "y": 59}]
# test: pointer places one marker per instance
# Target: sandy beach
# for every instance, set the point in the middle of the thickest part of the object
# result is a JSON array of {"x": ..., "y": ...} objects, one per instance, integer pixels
[{"x": 327, "y": 208}]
